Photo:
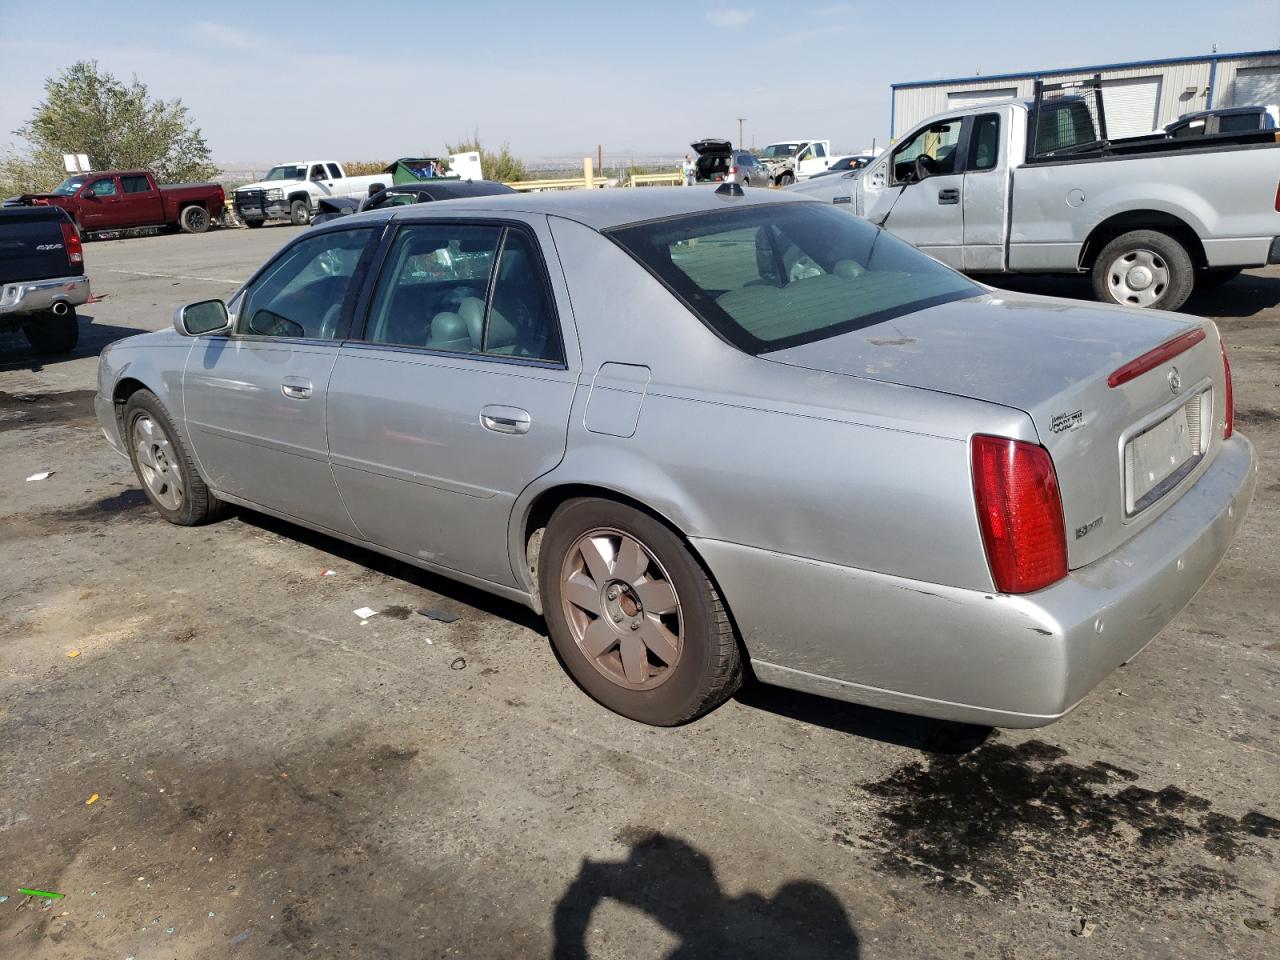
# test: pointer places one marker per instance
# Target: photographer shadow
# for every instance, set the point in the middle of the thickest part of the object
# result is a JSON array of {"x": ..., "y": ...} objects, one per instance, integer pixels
[{"x": 676, "y": 885}]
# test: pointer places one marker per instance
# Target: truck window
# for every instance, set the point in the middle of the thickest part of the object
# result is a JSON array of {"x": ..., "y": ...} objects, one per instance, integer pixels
[
  {"x": 104, "y": 188},
  {"x": 984, "y": 142},
  {"x": 317, "y": 172},
  {"x": 1064, "y": 124},
  {"x": 819, "y": 150},
  {"x": 937, "y": 142},
  {"x": 137, "y": 183},
  {"x": 334, "y": 172}
]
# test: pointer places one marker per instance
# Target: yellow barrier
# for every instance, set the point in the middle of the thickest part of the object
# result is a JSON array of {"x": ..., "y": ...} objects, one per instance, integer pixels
[{"x": 652, "y": 179}]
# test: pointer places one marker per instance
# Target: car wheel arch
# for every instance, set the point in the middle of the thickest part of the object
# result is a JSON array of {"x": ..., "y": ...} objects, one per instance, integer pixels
[
  {"x": 1121, "y": 223},
  {"x": 125, "y": 388}
]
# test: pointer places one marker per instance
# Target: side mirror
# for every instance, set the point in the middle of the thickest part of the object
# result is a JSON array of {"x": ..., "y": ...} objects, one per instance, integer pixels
[
  {"x": 198, "y": 319},
  {"x": 87, "y": 193}
]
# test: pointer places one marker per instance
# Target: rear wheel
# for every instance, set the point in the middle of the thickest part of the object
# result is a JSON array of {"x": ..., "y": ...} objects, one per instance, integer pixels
[
  {"x": 50, "y": 333},
  {"x": 299, "y": 213},
  {"x": 164, "y": 466},
  {"x": 1144, "y": 268},
  {"x": 194, "y": 219},
  {"x": 634, "y": 617}
]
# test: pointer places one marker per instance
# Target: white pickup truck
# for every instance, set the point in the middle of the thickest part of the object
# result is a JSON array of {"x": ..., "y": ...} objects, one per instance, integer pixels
[
  {"x": 290, "y": 191},
  {"x": 790, "y": 160},
  {"x": 1036, "y": 187}
]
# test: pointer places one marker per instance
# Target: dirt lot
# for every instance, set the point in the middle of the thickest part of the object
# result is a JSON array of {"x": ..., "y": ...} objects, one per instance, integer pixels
[{"x": 276, "y": 779}]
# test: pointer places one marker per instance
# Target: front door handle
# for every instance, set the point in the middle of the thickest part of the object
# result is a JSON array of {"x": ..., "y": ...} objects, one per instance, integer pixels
[
  {"x": 505, "y": 419},
  {"x": 949, "y": 195},
  {"x": 296, "y": 388}
]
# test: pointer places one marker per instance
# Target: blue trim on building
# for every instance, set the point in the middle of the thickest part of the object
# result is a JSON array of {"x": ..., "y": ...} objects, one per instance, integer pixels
[{"x": 1211, "y": 58}]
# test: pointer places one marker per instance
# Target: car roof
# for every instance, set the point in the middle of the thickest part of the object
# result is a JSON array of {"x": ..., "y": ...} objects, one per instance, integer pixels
[{"x": 598, "y": 209}]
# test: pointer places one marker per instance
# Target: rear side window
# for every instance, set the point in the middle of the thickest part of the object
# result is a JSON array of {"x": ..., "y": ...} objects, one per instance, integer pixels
[
  {"x": 135, "y": 184},
  {"x": 334, "y": 172},
  {"x": 773, "y": 276},
  {"x": 465, "y": 288},
  {"x": 984, "y": 142}
]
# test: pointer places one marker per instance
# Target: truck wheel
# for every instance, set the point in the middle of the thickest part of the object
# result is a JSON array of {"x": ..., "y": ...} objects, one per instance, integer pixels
[
  {"x": 786, "y": 179},
  {"x": 634, "y": 617},
  {"x": 1144, "y": 268},
  {"x": 253, "y": 224},
  {"x": 299, "y": 213},
  {"x": 1215, "y": 277},
  {"x": 164, "y": 466},
  {"x": 194, "y": 219},
  {"x": 49, "y": 333}
]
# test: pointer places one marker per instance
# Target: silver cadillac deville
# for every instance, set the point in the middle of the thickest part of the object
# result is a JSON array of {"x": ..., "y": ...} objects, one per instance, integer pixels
[{"x": 706, "y": 432}]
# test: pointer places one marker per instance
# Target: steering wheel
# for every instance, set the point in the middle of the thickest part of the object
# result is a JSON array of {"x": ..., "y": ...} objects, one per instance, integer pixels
[{"x": 926, "y": 166}]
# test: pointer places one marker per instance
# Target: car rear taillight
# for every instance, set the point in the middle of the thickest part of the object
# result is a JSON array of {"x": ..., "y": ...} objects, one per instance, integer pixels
[
  {"x": 1278, "y": 187},
  {"x": 1229, "y": 422},
  {"x": 1020, "y": 513},
  {"x": 71, "y": 241}
]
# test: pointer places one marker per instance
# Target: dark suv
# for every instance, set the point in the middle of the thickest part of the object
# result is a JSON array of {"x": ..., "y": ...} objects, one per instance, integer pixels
[{"x": 718, "y": 161}]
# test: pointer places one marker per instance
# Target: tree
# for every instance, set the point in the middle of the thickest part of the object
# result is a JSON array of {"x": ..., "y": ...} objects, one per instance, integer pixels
[
  {"x": 501, "y": 166},
  {"x": 119, "y": 125}
]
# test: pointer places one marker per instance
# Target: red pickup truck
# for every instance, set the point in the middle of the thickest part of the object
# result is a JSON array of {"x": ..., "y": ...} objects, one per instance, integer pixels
[{"x": 124, "y": 199}]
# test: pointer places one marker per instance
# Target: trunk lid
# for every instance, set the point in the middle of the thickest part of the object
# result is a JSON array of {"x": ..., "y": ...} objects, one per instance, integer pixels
[
  {"x": 712, "y": 148},
  {"x": 1123, "y": 453}
]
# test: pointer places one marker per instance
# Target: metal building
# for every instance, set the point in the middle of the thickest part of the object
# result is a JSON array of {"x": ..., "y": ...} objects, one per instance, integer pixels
[{"x": 1140, "y": 96}]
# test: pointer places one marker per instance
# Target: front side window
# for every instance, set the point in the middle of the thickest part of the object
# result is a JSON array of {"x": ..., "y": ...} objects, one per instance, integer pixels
[
  {"x": 984, "y": 142},
  {"x": 317, "y": 172},
  {"x": 934, "y": 147},
  {"x": 774, "y": 276},
  {"x": 302, "y": 293},
  {"x": 104, "y": 188},
  {"x": 135, "y": 184},
  {"x": 464, "y": 288},
  {"x": 819, "y": 150}
]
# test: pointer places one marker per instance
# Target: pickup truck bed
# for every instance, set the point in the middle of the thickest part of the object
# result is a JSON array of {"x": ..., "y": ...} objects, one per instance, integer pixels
[{"x": 42, "y": 277}]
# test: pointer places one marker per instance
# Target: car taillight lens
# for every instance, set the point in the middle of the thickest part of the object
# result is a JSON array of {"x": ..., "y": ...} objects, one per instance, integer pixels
[
  {"x": 1020, "y": 513},
  {"x": 71, "y": 241},
  {"x": 1229, "y": 422}
]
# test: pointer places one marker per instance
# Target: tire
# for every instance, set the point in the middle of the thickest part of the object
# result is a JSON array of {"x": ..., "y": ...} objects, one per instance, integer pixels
[
  {"x": 1144, "y": 268},
  {"x": 50, "y": 333},
  {"x": 786, "y": 179},
  {"x": 194, "y": 219},
  {"x": 299, "y": 213},
  {"x": 254, "y": 224},
  {"x": 1215, "y": 277},
  {"x": 164, "y": 466},
  {"x": 651, "y": 591}
]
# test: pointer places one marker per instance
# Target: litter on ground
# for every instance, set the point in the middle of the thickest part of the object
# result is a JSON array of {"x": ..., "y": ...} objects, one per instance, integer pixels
[
  {"x": 364, "y": 613},
  {"x": 42, "y": 475}
]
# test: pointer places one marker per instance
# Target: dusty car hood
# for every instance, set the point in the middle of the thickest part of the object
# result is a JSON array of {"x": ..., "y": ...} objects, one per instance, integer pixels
[{"x": 1009, "y": 349}]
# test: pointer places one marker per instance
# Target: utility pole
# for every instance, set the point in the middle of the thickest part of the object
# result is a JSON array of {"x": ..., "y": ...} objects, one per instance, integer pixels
[{"x": 741, "y": 121}]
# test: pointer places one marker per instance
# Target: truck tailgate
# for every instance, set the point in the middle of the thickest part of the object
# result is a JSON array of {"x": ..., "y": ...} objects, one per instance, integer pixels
[{"x": 32, "y": 246}]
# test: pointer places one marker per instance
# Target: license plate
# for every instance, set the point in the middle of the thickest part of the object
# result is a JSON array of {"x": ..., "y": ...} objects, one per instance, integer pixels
[{"x": 1156, "y": 454}]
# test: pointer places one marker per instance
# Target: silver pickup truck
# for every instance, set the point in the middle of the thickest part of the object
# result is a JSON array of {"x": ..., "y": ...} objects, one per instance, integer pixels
[{"x": 1036, "y": 187}]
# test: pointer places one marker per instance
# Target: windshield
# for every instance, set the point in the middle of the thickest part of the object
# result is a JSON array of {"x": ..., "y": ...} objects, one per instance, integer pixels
[
  {"x": 287, "y": 172},
  {"x": 777, "y": 275},
  {"x": 777, "y": 151},
  {"x": 68, "y": 186}
]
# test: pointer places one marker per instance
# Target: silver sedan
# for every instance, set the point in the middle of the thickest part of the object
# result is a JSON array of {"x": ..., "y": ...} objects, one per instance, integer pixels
[{"x": 713, "y": 432}]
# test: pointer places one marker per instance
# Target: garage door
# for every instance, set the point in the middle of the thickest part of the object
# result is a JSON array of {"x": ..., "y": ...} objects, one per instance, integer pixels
[
  {"x": 972, "y": 98},
  {"x": 1255, "y": 85},
  {"x": 1130, "y": 106}
]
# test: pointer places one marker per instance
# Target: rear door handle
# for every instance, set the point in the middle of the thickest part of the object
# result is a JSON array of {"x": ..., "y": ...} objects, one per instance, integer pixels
[
  {"x": 505, "y": 419},
  {"x": 296, "y": 388},
  {"x": 949, "y": 195}
]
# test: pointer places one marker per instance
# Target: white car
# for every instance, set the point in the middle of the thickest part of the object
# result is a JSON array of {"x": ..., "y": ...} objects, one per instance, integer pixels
[{"x": 792, "y": 160}]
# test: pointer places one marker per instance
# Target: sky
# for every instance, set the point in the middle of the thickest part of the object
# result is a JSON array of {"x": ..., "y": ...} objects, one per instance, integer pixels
[{"x": 276, "y": 81}]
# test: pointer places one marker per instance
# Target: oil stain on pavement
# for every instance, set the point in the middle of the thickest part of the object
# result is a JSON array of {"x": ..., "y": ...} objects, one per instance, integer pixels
[{"x": 1003, "y": 816}]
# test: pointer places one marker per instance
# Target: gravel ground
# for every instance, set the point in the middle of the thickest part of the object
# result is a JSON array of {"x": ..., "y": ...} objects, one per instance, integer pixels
[{"x": 274, "y": 778}]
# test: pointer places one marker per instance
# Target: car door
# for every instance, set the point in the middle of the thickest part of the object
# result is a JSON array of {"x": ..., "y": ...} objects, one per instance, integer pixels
[
  {"x": 985, "y": 195},
  {"x": 812, "y": 159},
  {"x": 928, "y": 213},
  {"x": 141, "y": 205},
  {"x": 321, "y": 182},
  {"x": 254, "y": 400},
  {"x": 104, "y": 209},
  {"x": 457, "y": 393}
]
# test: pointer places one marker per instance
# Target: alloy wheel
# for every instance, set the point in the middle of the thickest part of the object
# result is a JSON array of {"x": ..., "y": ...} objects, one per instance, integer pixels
[{"x": 157, "y": 462}]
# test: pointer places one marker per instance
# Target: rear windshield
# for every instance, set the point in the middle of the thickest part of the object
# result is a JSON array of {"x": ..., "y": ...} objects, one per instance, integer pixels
[{"x": 774, "y": 276}]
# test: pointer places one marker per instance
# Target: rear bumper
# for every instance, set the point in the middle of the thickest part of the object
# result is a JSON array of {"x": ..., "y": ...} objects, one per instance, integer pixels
[
  {"x": 36, "y": 296},
  {"x": 964, "y": 655}
]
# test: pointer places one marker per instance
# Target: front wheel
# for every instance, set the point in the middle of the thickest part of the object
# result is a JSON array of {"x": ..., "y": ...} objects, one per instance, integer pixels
[
  {"x": 786, "y": 179},
  {"x": 299, "y": 213},
  {"x": 634, "y": 617},
  {"x": 52, "y": 334},
  {"x": 194, "y": 220},
  {"x": 163, "y": 464},
  {"x": 1144, "y": 268}
]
